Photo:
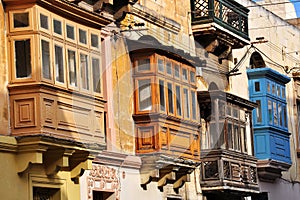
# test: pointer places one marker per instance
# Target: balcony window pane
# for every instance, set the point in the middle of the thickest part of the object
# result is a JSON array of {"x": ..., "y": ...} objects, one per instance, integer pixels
[
  {"x": 214, "y": 136},
  {"x": 82, "y": 36},
  {"x": 161, "y": 66},
  {"x": 178, "y": 100},
  {"x": 229, "y": 136},
  {"x": 162, "y": 95},
  {"x": 22, "y": 58},
  {"x": 72, "y": 68},
  {"x": 192, "y": 76},
  {"x": 270, "y": 114},
  {"x": 170, "y": 98},
  {"x": 95, "y": 41},
  {"x": 275, "y": 113},
  {"x": 84, "y": 71},
  {"x": 46, "y": 59},
  {"x": 284, "y": 116},
  {"x": 278, "y": 91},
  {"x": 144, "y": 64},
  {"x": 257, "y": 86},
  {"x": 184, "y": 74},
  {"x": 237, "y": 139},
  {"x": 145, "y": 95},
  {"x": 283, "y": 92},
  {"x": 177, "y": 71},
  {"x": 169, "y": 68},
  {"x": 44, "y": 21},
  {"x": 57, "y": 26},
  {"x": 280, "y": 115},
  {"x": 59, "y": 64},
  {"x": 194, "y": 109},
  {"x": 258, "y": 112},
  {"x": 268, "y": 87},
  {"x": 70, "y": 32},
  {"x": 244, "y": 139},
  {"x": 21, "y": 20},
  {"x": 186, "y": 103},
  {"x": 96, "y": 75},
  {"x": 273, "y": 89}
]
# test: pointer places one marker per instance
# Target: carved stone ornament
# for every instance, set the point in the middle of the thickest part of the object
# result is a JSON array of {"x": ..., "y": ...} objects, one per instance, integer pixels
[{"x": 102, "y": 178}]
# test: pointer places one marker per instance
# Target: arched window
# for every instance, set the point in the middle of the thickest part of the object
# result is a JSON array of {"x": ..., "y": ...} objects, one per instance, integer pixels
[{"x": 256, "y": 61}]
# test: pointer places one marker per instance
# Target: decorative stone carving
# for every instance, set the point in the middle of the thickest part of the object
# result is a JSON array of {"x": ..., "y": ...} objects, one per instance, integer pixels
[{"x": 102, "y": 178}]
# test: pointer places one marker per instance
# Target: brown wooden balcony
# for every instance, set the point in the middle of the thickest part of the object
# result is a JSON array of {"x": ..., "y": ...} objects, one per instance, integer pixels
[{"x": 219, "y": 22}]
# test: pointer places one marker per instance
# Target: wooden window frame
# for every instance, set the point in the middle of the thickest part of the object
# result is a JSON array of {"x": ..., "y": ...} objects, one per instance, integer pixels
[
  {"x": 47, "y": 14},
  {"x": 187, "y": 110},
  {"x": 167, "y": 61},
  {"x": 58, "y": 18},
  {"x": 137, "y": 71},
  {"x": 178, "y": 100},
  {"x": 33, "y": 52},
  {"x": 179, "y": 67},
  {"x": 183, "y": 67},
  {"x": 30, "y": 20},
  {"x": 93, "y": 32},
  {"x": 158, "y": 57},
  {"x": 164, "y": 95},
  {"x": 87, "y": 91},
  {"x": 70, "y": 86},
  {"x": 173, "y": 99},
  {"x": 196, "y": 119},
  {"x": 86, "y": 29},
  {"x": 136, "y": 94},
  {"x": 51, "y": 80},
  {"x": 74, "y": 25}
]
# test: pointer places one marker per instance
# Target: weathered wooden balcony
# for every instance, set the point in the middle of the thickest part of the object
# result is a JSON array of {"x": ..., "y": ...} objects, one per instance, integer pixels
[{"x": 223, "y": 20}]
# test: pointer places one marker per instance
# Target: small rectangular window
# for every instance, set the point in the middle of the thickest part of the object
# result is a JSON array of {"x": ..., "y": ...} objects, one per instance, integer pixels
[
  {"x": 169, "y": 68},
  {"x": 84, "y": 71},
  {"x": 243, "y": 139},
  {"x": 21, "y": 20},
  {"x": 278, "y": 91},
  {"x": 170, "y": 99},
  {"x": 237, "y": 138},
  {"x": 44, "y": 21},
  {"x": 275, "y": 113},
  {"x": 161, "y": 66},
  {"x": 235, "y": 113},
  {"x": 283, "y": 92},
  {"x": 178, "y": 101},
  {"x": 284, "y": 116},
  {"x": 70, "y": 32},
  {"x": 184, "y": 74},
  {"x": 59, "y": 64},
  {"x": 280, "y": 115},
  {"x": 95, "y": 41},
  {"x": 186, "y": 103},
  {"x": 82, "y": 36},
  {"x": 162, "y": 95},
  {"x": 145, "y": 95},
  {"x": 268, "y": 87},
  {"x": 257, "y": 86},
  {"x": 144, "y": 64},
  {"x": 258, "y": 112},
  {"x": 229, "y": 136},
  {"x": 192, "y": 76},
  {"x": 273, "y": 89},
  {"x": 194, "y": 109},
  {"x": 57, "y": 26},
  {"x": 270, "y": 114},
  {"x": 46, "y": 59},
  {"x": 96, "y": 75},
  {"x": 177, "y": 75},
  {"x": 72, "y": 68},
  {"x": 23, "y": 58}
]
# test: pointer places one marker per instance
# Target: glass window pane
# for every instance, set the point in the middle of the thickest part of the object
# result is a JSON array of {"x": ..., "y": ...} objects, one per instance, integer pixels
[
  {"x": 72, "y": 68},
  {"x": 283, "y": 92},
  {"x": 22, "y": 58},
  {"x": 268, "y": 87},
  {"x": 284, "y": 116},
  {"x": 21, "y": 20},
  {"x": 194, "y": 109},
  {"x": 177, "y": 71},
  {"x": 70, "y": 32},
  {"x": 229, "y": 136},
  {"x": 57, "y": 26},
  {"x": 186, "y": 103},
  {"x": 84, "y": 71},
  {"x": 178, "y": 100},
  {"x": 273, "y": 89},
  {"x": 278, "y": 91},
  {"x": 275, "y": 113},
  {"x": 44, "y": 21},
  {"x": 170, "y": 98},
  {"x": 145, "y": 96},
  {"x": 169, "y": 68},
  {"x": 258, "y": 112},
  {"x": 244, "y": 139},
  {"x": 96, "y": 75},
  {"x": 144, "y": 64},
  {"x": 280, "y": 115},
  {"x": 162, "y": 95},
  {"x": 46, "y": 59},
  {"x": 192, "y": 76},
  {"x": 237, "y": 139},
  {"x": 59, "y": 64},
  {"x": 257, "y": 86},
  {"x": 270, "y": 114},
  {"x": 161, "y": 66},
  {"x": 184, "y": 74},
  {"x": 95, "y": 41},
  {"x": 82, "y": 36}
]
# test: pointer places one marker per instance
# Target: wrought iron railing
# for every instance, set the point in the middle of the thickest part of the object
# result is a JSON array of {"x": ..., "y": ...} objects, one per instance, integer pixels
[{"x": 226, "y": 13}]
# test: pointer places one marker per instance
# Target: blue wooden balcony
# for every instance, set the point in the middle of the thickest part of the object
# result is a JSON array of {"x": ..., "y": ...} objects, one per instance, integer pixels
[{"x": 222, "y": 16}]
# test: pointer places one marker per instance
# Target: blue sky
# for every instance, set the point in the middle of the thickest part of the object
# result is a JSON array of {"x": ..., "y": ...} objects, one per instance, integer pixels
[{"x": 297, "y": 7}]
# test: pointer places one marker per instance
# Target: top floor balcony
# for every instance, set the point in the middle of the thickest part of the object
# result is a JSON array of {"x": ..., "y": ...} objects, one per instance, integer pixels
[{"x": 223, "y": 20}]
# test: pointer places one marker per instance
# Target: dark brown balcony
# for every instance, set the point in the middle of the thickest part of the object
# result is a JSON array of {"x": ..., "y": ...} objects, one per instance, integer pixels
[{"x": 219, "y": 25}]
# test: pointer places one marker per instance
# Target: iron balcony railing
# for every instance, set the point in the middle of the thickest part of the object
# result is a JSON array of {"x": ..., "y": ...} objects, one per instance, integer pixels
[{"x": 227, "y": 13}]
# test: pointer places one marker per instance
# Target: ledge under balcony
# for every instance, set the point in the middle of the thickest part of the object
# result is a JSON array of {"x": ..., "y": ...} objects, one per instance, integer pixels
[{"x": 219, "y": 25}]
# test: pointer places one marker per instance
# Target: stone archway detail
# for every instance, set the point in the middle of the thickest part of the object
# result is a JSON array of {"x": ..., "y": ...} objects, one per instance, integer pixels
[{"x": 103, "y": 178}]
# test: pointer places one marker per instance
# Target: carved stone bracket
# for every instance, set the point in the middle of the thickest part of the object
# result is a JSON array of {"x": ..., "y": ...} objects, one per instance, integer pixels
[{"x": 103, "y": 178}]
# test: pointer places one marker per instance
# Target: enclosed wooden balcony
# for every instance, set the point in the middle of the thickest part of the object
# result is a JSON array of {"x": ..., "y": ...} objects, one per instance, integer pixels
[{"x": 219, "y": 24}]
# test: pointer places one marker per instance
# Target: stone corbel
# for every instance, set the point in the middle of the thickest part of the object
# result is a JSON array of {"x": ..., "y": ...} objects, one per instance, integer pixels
[
  {"x": 146, "y": 178},
  {"x": 78, "y": 171},
  {"x": 180, "y": 182},
  {"x": 165, "y": 179},
  {"x": 55, "y": 160}
]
